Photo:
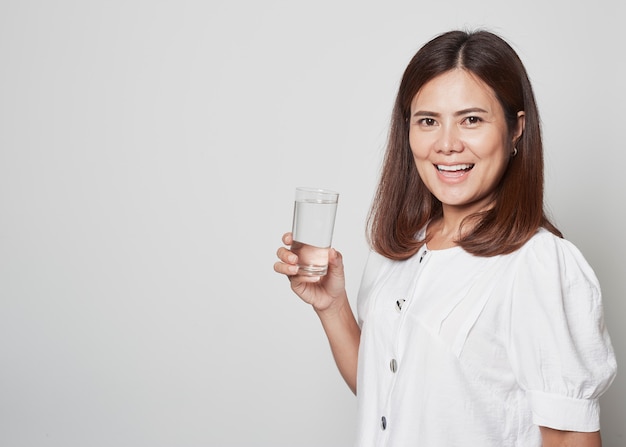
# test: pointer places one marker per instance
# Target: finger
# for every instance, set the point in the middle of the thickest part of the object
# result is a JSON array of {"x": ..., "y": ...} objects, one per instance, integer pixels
[
  {"x": 335, "y": 263},
  {"x": 335, "y": 258},
  {"x": 288, "y": 238},
  {"x": 287, "y": 256},
  {"x": 285, "y": 269}
]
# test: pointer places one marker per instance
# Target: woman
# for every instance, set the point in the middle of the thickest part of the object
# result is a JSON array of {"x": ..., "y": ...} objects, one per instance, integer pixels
[{"x": 478, "y": 324}]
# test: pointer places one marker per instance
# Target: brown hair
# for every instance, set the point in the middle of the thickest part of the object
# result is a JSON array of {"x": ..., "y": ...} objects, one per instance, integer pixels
[{"x": 403, "y": 205}]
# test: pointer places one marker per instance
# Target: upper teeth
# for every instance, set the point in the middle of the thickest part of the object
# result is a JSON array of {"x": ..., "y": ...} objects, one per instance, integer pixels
[{"x": 454, "y": 167}]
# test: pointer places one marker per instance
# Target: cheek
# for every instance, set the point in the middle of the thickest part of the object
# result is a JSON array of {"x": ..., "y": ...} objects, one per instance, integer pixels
[
  {"x": 500, "y": 161},
  {"x": 422, "y": 163},
  {"x": 495, "y": 148},
  {"x": 418, "y": 147}
]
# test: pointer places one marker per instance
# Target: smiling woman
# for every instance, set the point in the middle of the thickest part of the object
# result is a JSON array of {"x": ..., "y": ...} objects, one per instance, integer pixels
[
  {"x": 462, "y": 145},
  {"x": 480, "y": 84},
  {"x": 478, "y": 324}
]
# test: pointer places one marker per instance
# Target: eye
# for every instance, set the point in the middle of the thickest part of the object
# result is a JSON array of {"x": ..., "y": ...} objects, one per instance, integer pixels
[
  {"x": 426, "y": 122},
  {"x": 472, "y": 120}
]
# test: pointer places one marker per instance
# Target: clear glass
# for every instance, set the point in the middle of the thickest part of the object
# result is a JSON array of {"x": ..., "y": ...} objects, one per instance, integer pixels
[{"x": 313, "y": 225}]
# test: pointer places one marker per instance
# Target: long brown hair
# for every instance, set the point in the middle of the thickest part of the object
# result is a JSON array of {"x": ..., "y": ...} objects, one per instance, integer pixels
[{"x": 403, "y": 205}]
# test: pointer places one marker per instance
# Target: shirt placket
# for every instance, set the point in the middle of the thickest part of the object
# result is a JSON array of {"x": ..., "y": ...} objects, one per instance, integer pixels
[{"x": 394, "y": 360}]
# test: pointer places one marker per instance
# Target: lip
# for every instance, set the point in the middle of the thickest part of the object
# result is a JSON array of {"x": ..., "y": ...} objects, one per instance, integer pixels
[{"x": 456, "y": 171}]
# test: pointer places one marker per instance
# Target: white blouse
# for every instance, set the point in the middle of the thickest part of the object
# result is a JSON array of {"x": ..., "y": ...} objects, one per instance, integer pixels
[{"x": 460, "y": 350}]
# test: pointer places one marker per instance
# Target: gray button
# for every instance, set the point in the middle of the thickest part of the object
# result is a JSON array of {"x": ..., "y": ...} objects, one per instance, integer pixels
[
  {"x": 393, "y": 365},
  {"x": 383, "y": 423},
  {"x": 399, "y": 304}
]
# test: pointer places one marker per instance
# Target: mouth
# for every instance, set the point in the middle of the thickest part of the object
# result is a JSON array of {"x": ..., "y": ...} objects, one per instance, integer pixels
[{"x": 454, "y": 169}]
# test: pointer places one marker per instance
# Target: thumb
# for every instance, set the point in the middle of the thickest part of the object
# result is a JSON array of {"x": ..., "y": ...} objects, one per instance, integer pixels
[{"x": 335, "y": 263}]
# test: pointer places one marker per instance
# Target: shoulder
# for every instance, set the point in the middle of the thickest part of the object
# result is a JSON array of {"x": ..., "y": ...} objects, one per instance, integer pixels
[
  {"x": 375, "y": 268},
  {"x": 551, "y": 279},
  {"x": 548, "y": 254}
]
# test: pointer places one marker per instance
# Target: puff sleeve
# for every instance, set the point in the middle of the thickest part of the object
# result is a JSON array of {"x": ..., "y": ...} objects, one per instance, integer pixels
[{"x": 559, "y": 347}]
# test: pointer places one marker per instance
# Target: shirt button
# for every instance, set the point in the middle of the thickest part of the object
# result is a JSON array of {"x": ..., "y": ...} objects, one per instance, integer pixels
[
  {"x": 383, "y": 423},
  {"x": 393, "y": 365},
  {"x": 399, "y": 304},
  {"x": 424, "y": 253}
]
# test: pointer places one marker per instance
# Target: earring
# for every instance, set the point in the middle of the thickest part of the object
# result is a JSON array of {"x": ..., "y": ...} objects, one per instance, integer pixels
[{"x": 514, "y": 153}]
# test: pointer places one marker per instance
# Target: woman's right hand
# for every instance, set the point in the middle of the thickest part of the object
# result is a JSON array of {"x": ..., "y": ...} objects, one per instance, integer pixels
[
  {"x": 324, "y": 293},
  {"x": 327, "y": 295}
]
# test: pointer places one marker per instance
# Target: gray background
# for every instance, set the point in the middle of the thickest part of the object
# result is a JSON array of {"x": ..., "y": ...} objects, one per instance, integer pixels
[{"x": 148, "y": 155}]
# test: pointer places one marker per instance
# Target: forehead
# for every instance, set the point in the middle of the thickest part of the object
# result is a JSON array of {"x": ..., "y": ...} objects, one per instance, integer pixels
[{"x": 456, "y": 89}]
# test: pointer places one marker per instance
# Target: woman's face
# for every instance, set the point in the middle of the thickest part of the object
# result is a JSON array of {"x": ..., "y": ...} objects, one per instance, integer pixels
[{"x": 460, "y": 140}]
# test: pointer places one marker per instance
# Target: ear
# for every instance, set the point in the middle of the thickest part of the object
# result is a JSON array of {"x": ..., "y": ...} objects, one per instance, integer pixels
[{"x": 519, "y": 128}]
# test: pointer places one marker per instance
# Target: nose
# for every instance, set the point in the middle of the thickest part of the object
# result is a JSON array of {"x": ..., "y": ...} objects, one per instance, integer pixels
[{"x": 449, "y": 140}]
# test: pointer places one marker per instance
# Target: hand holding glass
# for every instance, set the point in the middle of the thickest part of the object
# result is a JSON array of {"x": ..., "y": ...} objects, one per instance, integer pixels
[{"x": 313, "y": 223}]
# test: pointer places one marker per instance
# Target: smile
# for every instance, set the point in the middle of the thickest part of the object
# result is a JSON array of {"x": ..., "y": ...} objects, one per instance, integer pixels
[{"x": 454, "y": 168}]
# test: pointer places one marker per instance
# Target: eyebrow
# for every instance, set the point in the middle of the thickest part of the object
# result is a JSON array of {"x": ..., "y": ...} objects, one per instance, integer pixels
[{"x": 459, "y": 113}]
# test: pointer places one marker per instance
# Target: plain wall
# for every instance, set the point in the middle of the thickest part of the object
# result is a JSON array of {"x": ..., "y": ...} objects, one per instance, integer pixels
[{"x": 148, "y": 156}]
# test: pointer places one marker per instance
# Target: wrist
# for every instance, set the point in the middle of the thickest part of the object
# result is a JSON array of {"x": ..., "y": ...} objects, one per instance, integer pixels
[{"x": 338, "y": 307}]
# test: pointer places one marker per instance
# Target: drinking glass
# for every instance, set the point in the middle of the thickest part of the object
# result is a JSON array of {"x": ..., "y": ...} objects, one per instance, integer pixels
[{"x": 313, "y": 224}]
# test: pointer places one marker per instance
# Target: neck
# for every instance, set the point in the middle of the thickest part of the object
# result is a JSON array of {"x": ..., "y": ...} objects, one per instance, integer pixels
[{"x": 445, "y": 231}]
